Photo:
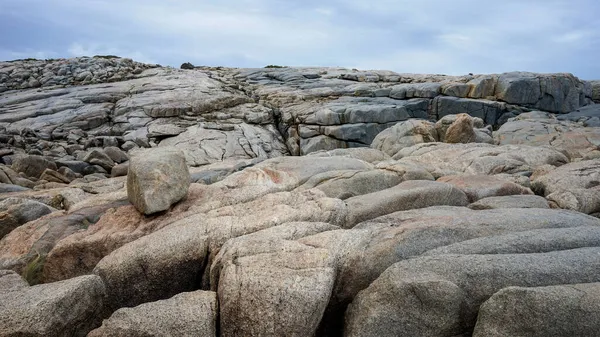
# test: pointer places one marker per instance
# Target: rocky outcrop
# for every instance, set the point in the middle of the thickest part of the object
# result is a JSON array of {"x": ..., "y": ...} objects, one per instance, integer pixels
[
  {"x": 410, "y": 206},
  {"x": 543, "y": 129},
  {"x": 452, "y": 129},
  {"x": 403, "y": 299},
  {"x": 9, "y": 281},
  {"x": 24, "y": 74},
  {"x": 218, "y": 113},
  {"x": 443, "y": 159}
]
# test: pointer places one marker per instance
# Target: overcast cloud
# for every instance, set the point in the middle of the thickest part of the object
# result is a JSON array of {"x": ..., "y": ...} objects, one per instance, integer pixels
[{"x": 426, "y": 36}]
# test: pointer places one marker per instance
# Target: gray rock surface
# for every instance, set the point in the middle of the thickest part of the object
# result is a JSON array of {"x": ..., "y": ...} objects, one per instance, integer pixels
[
  {"x": 368, "y": 249},
  {"x": 216, "y": 113},
  {"x": 510, "y": 201},
  {"x": 16, "y": 211},
  {"x": 542, "y": 129},
  {"x": 566, "y": 310},
  {"x": 154, "y": 267},
  {"x": 256, "y": 282},
  {"x": 11, "y": 281},
  {"x": 66, "y": 308},
  {"x": 482, "y": 186},
  {"x": 32, "y": 166},
  {"x": 441, "y": 295},
  {"x": 157, "y": 179},
  {"x": 526, "y": 242},
  {"x": 404, "y": 196},
  {"x": 186, "y": 314},
  {"x": 573, "y": 186},
  {"x": 9, "y": 188},
  {"x": 443, "y": 159}
]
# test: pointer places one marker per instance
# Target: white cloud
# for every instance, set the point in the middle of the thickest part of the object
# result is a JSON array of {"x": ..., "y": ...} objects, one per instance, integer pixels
[{"x": 430, "y": 35}]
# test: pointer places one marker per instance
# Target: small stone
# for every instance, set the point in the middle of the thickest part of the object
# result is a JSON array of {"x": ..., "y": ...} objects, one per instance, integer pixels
[
  {"x": 116, "y": 154},
  {"x": 120, "y": 170},
  {"x": 97, "y": 157}
]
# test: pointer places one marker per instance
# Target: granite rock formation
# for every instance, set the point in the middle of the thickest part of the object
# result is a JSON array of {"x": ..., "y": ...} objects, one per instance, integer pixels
[{"x": 299, "y": 201}]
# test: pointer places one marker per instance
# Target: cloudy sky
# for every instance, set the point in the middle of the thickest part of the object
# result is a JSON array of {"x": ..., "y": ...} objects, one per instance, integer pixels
[{"x": 418, "y": 36}]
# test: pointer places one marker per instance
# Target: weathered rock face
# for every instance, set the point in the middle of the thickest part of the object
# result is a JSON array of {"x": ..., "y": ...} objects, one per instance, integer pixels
[
  {"x": 23, "y": 74},
  {"x": 218, "y": 113},
  {"x": 157, "y": 179},
  {"x": 571, "y": 310},
  {"x": 511, "y": 201},
  {"x": 155, "y": 267},
  {"x": 10, "y": 281},
  {"x": 402, "y": 216},
  {"x": 67, "y": 308},
  {"x": 246, "y": 284},
  {"x": 436, "y": 296},
  {"x": 443, "y": 159},
  {"x": 542, "y": 129},
  {"x": 481, "y": 186},
  {"x": 15, "y": 212},
  {"x": 544, "y": 92},
  {"x": 187, "y": 314},
  {"x": 573, "y": 186}
]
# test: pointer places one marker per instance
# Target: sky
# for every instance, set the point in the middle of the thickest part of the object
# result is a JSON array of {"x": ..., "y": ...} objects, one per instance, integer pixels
[{"x": 452, "y": 37}]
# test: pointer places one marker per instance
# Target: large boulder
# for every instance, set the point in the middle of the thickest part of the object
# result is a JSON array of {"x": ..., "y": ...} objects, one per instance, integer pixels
[
  {"x": 186, "y": 314},
  {"x": 405, "y": 134},
  {"x": 153, "y": 267},
  {"x": 66, "y": 308},
  {"x": 157, "y": 179},
  {"x": 563, "y": 310},
  {"x": 16, "y": 211},
  {"x": 441, "y": 295},
  {"x": 32, "y": 166},
  {"x": 275, "y": 294},
  {"x": 461, "y": 130},
  {"x": 573, "y": 186}
]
